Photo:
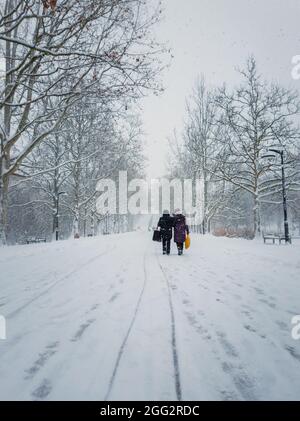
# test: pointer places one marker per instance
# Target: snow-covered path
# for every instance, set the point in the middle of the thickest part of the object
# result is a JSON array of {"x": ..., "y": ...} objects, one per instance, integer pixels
[{"x": 110, "y": 318}]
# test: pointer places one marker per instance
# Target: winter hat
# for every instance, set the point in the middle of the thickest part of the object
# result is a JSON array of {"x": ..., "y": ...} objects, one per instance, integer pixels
[
  {"x": 177, "y": 211},
  {"x": 166, "y": 212}
]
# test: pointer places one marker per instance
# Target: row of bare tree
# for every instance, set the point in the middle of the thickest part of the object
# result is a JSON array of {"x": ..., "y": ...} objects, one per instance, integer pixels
[
  {"x": 70, "y": 74},
  {"x": 225, "y": 142}
]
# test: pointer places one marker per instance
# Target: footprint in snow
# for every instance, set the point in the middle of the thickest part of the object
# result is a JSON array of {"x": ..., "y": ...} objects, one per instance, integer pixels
[
  {"x": 43, "y": 390},
  {"x": 268, "y": 303},
  {"x": 259, "y": 291},
  {"x": 247, "y": 314},
  {"x": 293, "y": 352},
  {"x": 282, "y": 325},
  {"x": 228, "y": 347},
  {"x": 243, "y": 383},
  {"x": 82, "y": 329},
  {"x": 114, "y": 297},
  {"x": 186, "y": 302},
  {"x": 197, "y": 326},
  {"x": 201, "y": 286},
  {"x": 245, "y": 386},
  {"x": 42, "y": 359},
  {"x": 250, "y": 328},
  {"x": 229, "y": 395}
]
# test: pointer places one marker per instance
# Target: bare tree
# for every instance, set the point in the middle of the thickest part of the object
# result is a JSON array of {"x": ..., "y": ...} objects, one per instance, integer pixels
[
  {"x": 200, "y": 133},
  {"x": 256, "y": 116},
  {"x": 225, "y": 141}
]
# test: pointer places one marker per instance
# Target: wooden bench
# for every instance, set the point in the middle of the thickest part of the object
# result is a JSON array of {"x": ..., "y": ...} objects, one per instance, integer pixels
[
  {"x": 34, "y": 240},
  {"x": 275, "y": 237}
]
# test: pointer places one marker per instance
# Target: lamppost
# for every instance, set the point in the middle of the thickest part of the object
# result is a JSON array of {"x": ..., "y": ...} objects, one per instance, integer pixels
[
  {"x": 285, "y": 213},
  {"x": 57, "y": 214}
]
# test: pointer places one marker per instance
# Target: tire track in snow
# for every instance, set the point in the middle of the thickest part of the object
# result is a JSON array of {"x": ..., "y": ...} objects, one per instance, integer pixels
[
  {"x": 64, "y": 278},
  {"x": 124, "y": 343},
  {"x": 174, "y": 341}
]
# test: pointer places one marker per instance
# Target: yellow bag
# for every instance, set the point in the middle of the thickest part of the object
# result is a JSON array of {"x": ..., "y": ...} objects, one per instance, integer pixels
[{"x": 187, "y": 242}]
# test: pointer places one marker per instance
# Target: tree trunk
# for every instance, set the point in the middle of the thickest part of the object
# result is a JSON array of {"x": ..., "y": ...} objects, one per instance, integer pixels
[
  {"x": 76, "y": 223},
  {"x": 205, "y": 204},
  {"x": 3, "y": 208},
  {"x": 209, "y": 225},
  {"x": 53, "y": 225},
  {"x": 256, "y": 218},
  {"x": 4, "y": 155},
  {"x": 84, "y": 222}
]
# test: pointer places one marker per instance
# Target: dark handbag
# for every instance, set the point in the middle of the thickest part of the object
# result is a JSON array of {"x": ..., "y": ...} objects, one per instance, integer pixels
[{"x": 156, "y": 236}]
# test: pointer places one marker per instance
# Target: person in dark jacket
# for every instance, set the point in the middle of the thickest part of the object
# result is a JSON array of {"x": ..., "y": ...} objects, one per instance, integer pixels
[
  {"x": 181, "y": 230},
  {"x": 166, "y": 223}
]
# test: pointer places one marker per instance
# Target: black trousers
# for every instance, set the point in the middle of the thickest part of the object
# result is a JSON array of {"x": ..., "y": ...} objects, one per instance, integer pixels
[
  {"x": 180, "y": 246},
  {"x": 166, "y": 245}
]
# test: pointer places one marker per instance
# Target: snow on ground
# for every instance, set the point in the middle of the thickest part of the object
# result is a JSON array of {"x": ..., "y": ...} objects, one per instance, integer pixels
[{"x": 111, "y": 318}]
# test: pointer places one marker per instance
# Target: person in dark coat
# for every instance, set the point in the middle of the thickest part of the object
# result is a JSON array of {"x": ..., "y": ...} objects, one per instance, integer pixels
[
  {"x": 181, "y": 230},
  {"x": 166, "y": 223}
]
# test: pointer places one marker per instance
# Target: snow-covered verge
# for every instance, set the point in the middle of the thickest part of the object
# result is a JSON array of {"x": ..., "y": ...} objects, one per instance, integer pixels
[{"x": 111, "y": 318}]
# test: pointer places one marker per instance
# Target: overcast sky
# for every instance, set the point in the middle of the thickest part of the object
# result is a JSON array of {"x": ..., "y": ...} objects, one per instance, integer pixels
[{"x": 213, "y": 37}]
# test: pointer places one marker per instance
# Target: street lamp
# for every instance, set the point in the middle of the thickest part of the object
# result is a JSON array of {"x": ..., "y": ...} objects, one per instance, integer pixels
[
  {"x": 57, "y": 215},
  {"x": 285, "y": 213}
]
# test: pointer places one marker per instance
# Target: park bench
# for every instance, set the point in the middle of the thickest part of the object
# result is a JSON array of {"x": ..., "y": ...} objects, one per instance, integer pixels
[
  {"x": 274, "y": 238},
  {"x": 33, "y": 240}
]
